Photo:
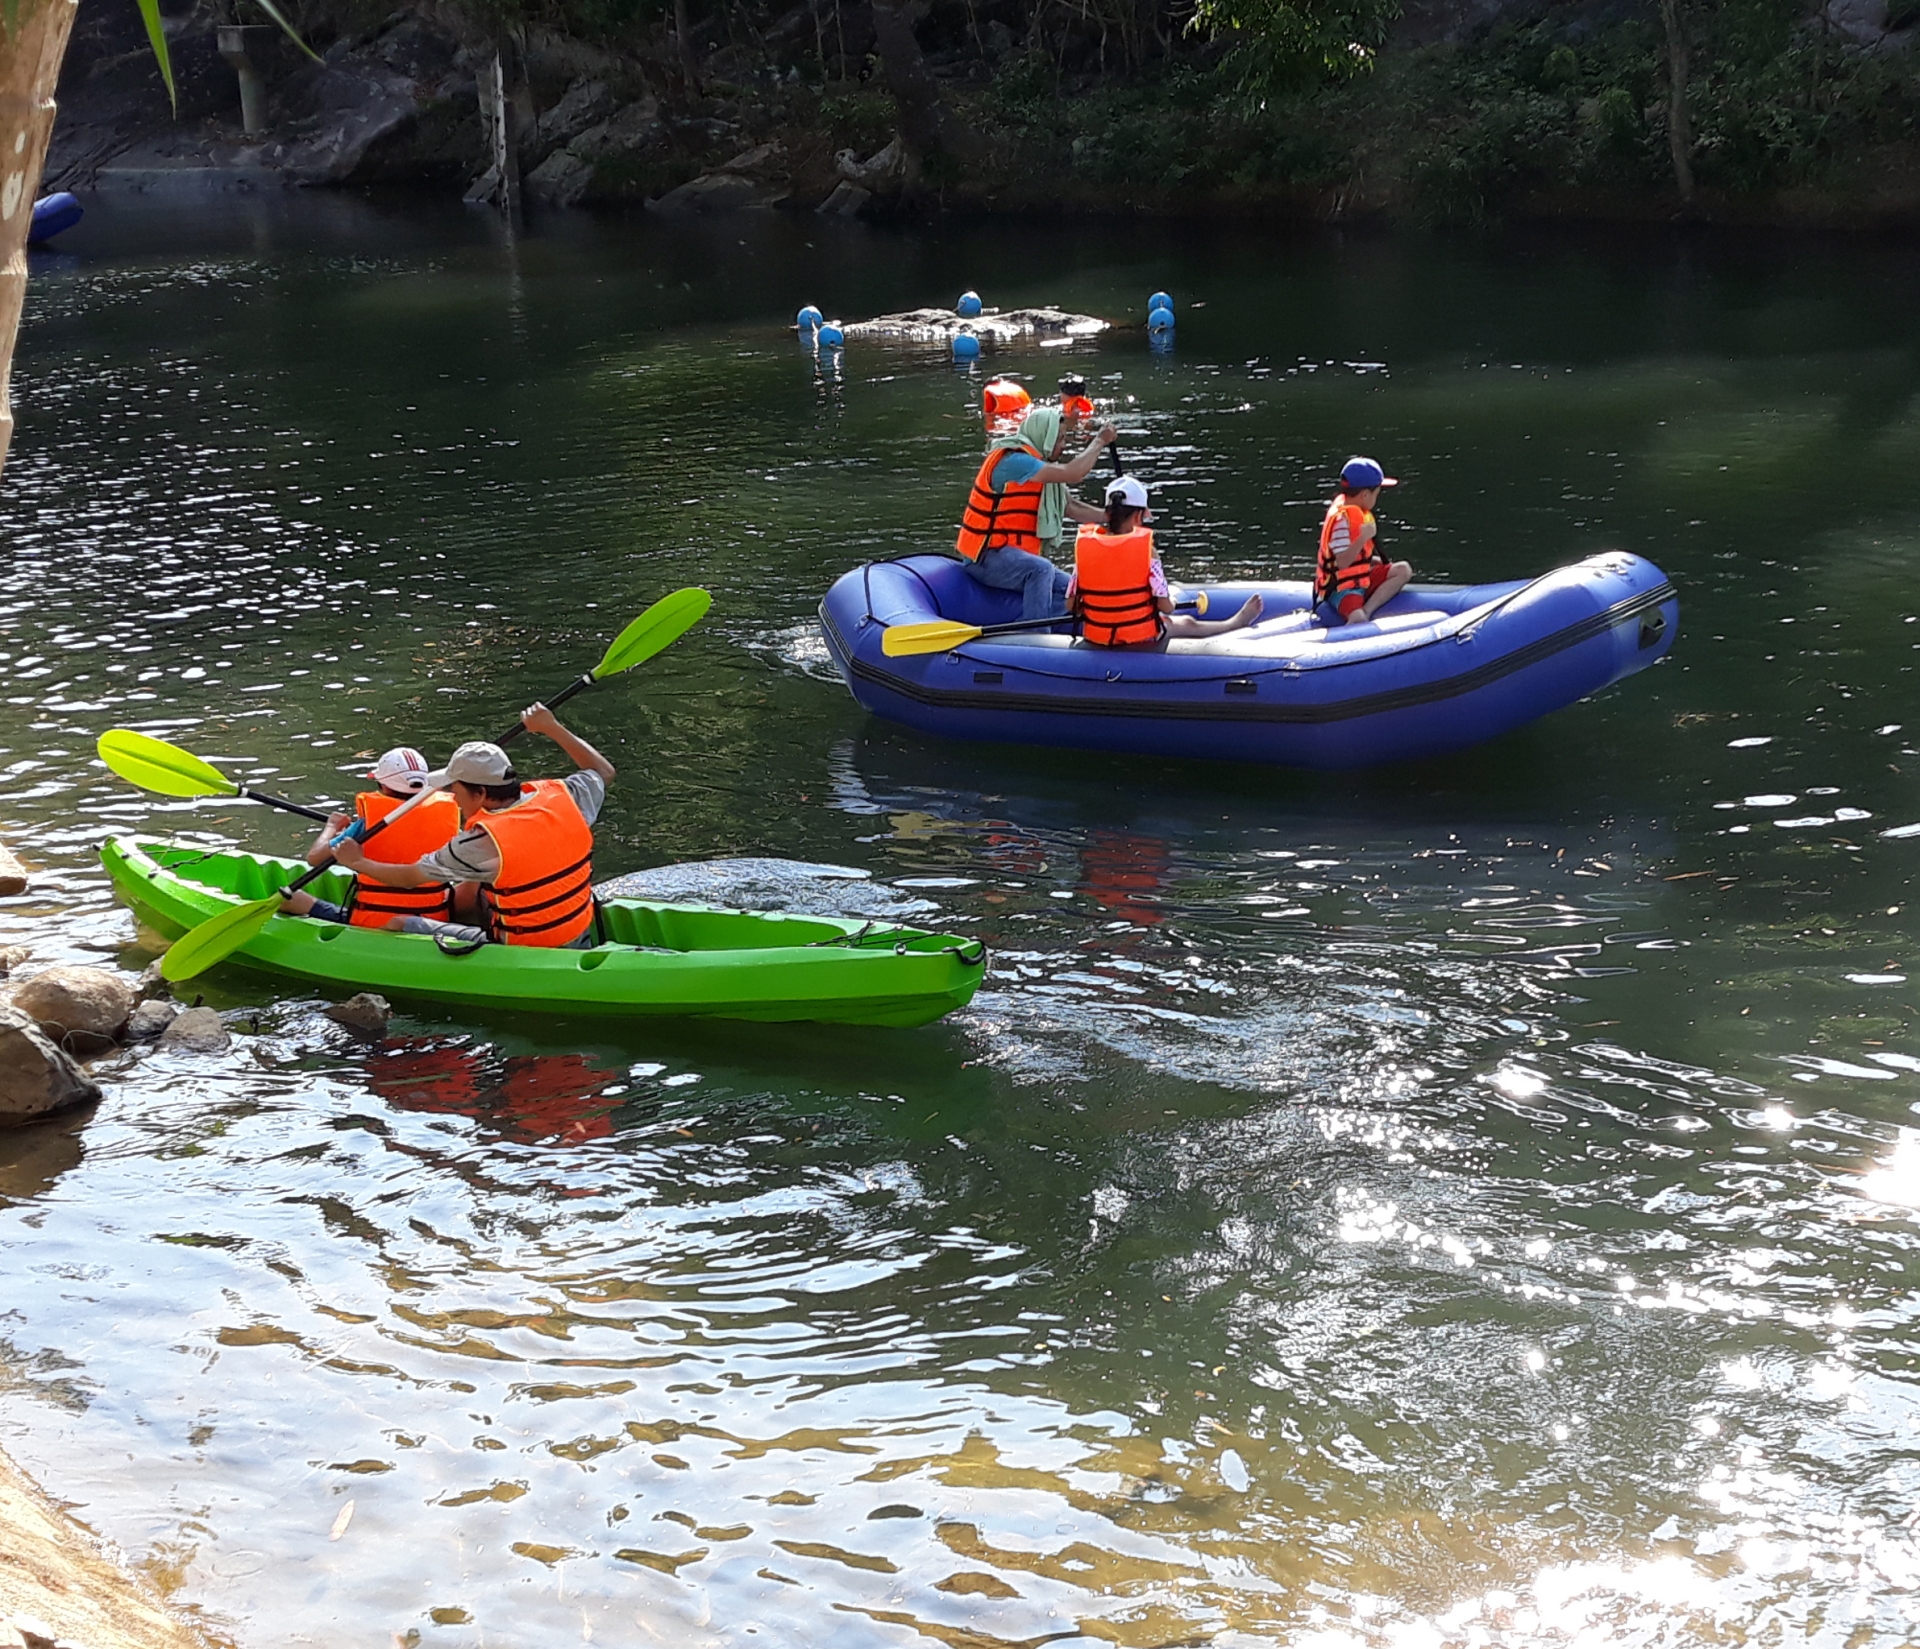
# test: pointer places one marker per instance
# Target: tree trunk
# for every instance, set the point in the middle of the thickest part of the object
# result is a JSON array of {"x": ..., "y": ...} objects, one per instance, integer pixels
[
  {"x": 683, "y": 44},
  {"x": 1679, "y": 135},
  {"x": 916, "y": 95},
  {"x": 30, "y": 56}
]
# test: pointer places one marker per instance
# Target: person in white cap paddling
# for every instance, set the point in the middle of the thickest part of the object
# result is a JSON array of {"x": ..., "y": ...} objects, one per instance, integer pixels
[
  {"x": 400, "y": 774},
  {"x": 1119, "y": 591},
  {"x": 524, "y": 854}
]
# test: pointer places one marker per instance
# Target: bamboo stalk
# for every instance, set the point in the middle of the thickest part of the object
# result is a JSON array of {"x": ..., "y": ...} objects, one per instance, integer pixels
[{"x": 30, "y": 56}]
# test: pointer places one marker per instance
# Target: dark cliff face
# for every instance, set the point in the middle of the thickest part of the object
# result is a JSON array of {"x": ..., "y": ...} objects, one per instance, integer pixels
[{"x": 1474, "y": 109}]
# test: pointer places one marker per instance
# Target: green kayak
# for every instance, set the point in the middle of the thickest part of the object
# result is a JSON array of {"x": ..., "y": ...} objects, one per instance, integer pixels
[{"x": 658, "y": 959}]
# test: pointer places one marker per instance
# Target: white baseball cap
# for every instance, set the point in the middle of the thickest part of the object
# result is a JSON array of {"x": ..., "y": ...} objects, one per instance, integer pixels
[
  {"x": 1124, "y": 489},
  {"x": 401, "y": 768},
  {"x": 476, "y": 762}
]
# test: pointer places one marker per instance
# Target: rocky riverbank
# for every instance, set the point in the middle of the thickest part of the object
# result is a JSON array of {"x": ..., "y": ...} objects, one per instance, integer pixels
[
  {"x": 1464, "y": 110},
  {"x": 59, "y": 1591}
]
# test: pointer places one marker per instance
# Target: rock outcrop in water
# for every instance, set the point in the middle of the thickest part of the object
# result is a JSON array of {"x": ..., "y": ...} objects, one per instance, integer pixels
[
  {"x": 37, "y": 1076},
  {"x": 995, "y": 326}
]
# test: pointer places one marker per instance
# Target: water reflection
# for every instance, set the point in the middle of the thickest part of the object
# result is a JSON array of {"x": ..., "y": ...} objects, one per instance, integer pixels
[{"x": 1460, "y": 1205}]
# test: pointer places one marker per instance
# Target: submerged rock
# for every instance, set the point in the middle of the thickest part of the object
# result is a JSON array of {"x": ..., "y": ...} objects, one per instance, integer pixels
[
  {"x": 768, "y": 884},
  {"x": 84, "y": 1009},
  {"x": 1006, "y": 326},
  {"x": 147, "y": 1022},
  {"x": 37, "y": 1078},
  {"x": 197, "y": 1031},
  {"x": 366, "y": 1013}
]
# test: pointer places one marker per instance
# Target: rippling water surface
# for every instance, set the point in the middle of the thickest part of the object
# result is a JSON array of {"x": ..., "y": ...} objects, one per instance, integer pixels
[{"x": 1460, "y": 1205}]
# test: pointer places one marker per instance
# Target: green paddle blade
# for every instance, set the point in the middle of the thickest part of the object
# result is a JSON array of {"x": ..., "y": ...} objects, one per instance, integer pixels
[
  {"x": 655, "y": 630},
  {"x": 214, "y": 941},
  {"x": 163, "y": 768}
]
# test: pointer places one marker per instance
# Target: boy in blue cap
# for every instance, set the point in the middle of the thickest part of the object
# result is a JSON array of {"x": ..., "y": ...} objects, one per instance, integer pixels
[{"x": 1351, "y": 579}]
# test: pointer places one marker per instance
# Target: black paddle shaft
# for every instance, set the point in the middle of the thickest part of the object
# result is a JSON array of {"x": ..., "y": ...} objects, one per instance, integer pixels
[
  {"x": 578, "y": 685},
  {"x": 248, "y": 793}
]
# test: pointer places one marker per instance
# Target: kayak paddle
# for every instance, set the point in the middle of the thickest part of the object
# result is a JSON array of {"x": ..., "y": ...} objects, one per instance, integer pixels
[
  {"x": 942, "y": 635},
  {"x": 652, "y": 632},
  {"x": 167, "y": 770}
]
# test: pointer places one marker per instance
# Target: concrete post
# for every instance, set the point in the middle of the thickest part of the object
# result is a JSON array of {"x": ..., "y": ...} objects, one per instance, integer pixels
[{"x": 243, "y": 46}]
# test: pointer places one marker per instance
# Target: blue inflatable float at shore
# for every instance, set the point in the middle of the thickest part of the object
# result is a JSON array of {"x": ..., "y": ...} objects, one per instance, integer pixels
[
  {"x": 53, "y": 215},
  {"x": 1437, "y": 670}
]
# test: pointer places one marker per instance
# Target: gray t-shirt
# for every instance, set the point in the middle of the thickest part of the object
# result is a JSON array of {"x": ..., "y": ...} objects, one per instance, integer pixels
[{"x": 472, "y": 857}]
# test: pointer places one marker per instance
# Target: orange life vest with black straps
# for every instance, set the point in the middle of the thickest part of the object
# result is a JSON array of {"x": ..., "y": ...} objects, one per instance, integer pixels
[
  {"x": 1010, "y": 517},
  {"x": 426, "y": 829},
  {"x": 543, "y": 894},
  {"x": 1331, "y": 582},
  {"x": 1113, "y": 582}
]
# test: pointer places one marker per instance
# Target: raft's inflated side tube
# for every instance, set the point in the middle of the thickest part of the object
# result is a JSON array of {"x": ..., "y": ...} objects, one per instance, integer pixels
[
  {"x": 52, "y": 215},
  {"x": 1440, "y": 669}
]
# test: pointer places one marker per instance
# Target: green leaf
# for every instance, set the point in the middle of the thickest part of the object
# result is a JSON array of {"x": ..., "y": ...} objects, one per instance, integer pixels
[
  {"x": 157, "y": 38},
  {"x": 292, "y": 33}
]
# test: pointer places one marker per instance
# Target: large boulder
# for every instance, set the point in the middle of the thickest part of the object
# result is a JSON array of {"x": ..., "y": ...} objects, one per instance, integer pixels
[
  {"x": 83, "y": 1009},
  {"x": 562, "y": 179},
  {"x": 714, "y": 193},
  {"x": 36, "y": 1077}
]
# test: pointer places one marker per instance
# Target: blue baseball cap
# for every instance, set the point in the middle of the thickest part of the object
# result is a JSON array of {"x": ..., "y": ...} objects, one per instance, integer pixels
[{"x": 1362, "y": 473}]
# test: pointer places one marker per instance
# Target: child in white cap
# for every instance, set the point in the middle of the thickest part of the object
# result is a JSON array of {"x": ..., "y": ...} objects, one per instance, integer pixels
[
  {"x": 1119, "y": 591},
  {"x": 401, "y": 773}
]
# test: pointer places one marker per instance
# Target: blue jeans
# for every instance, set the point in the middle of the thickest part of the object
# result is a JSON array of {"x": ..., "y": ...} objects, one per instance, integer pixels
[{"x": 1042, "y": 585}]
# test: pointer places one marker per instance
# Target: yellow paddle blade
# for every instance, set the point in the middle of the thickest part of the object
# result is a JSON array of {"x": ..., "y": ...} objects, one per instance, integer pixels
[
  {"x": 936, "y": 636},
  {"x": 655, "y": 630},
  {"x": 163, "y": 768},
  {"x": 215, "y": 940}
]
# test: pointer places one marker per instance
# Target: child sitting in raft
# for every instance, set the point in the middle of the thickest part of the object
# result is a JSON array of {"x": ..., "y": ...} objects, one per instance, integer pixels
[
  {"x": 1351, "y": 579},
  {"x": 400, "y": 774},
  {"x": 1118, "y": 590}
]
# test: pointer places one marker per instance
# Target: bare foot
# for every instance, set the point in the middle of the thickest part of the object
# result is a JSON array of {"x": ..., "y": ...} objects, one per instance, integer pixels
[{"x": 1249, "y": 614}]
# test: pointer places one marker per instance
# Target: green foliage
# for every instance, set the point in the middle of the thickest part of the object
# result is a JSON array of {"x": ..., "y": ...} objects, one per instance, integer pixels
[
  {"x": 859, "y": 118},
  {"x": 1278, "y": 45}
]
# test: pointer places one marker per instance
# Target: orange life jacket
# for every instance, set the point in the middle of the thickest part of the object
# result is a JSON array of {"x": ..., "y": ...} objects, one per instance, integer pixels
[
  {"x": 428, "y": 828},
  {"x": 543, "y": 894},
  {"x": 1113, "y": 576},
  {"x": 1074, "y": 407},
  {"x": 1005, "y": 403},
  {"x": 1010, "y": 517},
  {"x": 1331, "y": 582}
]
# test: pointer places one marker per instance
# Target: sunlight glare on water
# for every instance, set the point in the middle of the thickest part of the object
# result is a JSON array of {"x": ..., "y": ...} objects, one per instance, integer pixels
[{"x": 1465, "y": 1205}]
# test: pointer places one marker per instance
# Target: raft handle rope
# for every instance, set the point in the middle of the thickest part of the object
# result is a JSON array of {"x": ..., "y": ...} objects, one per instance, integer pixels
[{"x": 1620, "y": 613}]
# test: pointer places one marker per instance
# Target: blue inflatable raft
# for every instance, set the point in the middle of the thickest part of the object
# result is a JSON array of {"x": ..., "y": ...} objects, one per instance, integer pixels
[
  {"x": 52, "y": 215},
  {"x": 1438, "y": 669}
]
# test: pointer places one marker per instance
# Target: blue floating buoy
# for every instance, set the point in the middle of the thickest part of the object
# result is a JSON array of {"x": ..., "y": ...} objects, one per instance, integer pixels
[
  {"x": 809, "y": 319},
  {"x": 968, "y": 307},
  {"x": 966, "y": 347},
  {"x": 1161, "y": 320},
  {"x": 831, "y": 337},
  {"x": 1160, "y": 300}
]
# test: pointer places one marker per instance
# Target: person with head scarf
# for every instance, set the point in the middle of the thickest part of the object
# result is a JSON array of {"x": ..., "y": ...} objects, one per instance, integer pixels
[{"x": 1020, "y": 504}]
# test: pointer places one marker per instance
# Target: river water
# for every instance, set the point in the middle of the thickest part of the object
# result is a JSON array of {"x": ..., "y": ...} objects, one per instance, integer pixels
[{"x": 1463, "y": 1204}]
